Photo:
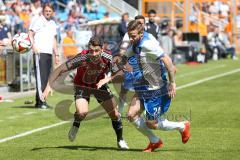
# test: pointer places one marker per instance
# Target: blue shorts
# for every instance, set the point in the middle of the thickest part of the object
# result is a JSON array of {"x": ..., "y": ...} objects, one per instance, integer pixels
[
  {"x": 130, "y": 79},
  {"x": 156, "y": 102}
]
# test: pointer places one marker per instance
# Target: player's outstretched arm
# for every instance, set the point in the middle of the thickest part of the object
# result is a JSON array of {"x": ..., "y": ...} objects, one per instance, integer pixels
[
  {"x": 171, "y": 75},
  {"x": 109, "y": 78},
  {"x": 53, "y": 76}
]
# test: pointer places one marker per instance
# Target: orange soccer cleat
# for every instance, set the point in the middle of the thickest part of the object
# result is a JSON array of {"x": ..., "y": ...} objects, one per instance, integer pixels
[
  {"x": 152, "y": 146},
  {"x": 186, "y": 132}
]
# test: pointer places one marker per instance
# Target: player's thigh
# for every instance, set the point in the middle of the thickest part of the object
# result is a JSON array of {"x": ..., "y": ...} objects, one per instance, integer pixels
[
  {"x": 105, "y": 97},
  {"x": 82, "y": 97},
  {"x": 110, "y": 107},
  {"x": 135, "y": 108}
]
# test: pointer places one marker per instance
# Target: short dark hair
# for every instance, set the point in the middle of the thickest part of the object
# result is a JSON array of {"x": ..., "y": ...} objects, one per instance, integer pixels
[
  {"x": 135, "y": 25},
  {"x": 96, "y": 41},
  {"x": 139, "y": 17},
  {"x": 50, "y": 5},
  {"x": 179, "y": 24},
  {"x": 152, "y": 11}
]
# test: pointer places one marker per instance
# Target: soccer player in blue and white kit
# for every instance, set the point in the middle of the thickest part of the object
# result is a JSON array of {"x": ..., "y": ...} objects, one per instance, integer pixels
[{"x": 149, "y": 67}]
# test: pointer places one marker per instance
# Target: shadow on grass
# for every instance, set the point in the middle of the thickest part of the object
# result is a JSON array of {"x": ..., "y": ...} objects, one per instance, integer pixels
[
  {"x": 95, "y": 148},
  {"x": 88, "y": 148},
  {"x": 26, "y": 106},
  {"x": 29, "y": 107}
]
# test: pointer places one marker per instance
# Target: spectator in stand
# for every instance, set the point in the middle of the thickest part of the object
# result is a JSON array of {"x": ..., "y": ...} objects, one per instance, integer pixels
[
  {"x": 92, "y": 6},
  {"x": 5, "y": 35},
  {"x": 25, "y": 18},
  {"x": 17, "y": 22},
  {"x": 80, "y": 11},
  {"x": 227, "y": 45},
  {"x": 202, "y": 29},
  {"x": 72, "y": 17},
  {"x": 106, "y": 15},
  {"x": 178, "y": 36},
  {"x": 219, "y": 44},
  {"x": 70, "y": 48},
  {"x": 151, "y": 26},
  {"x": 70, "y": 4},
  {"x": 165, "y": 39},
  {"x": 224, "y": 10},
  {"x": 36, "y": 8},
  {"x": 213, "y": 10},
  {"x": 122, "y": 27},
  {"x": 6, "y": 12},
  {"x": 193, "y": 24},
  {"x": 229, "y": 28}
]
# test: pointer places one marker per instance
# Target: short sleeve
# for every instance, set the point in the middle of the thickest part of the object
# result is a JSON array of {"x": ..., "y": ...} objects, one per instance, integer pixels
[
  {"x": 34, "y": 26},
  {"x": 54, "y": 28},
  {"x": 152, "y": 49}
]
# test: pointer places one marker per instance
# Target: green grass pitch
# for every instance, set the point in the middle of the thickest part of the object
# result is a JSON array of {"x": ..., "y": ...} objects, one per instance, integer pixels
[{"x": 212, "y": 106}]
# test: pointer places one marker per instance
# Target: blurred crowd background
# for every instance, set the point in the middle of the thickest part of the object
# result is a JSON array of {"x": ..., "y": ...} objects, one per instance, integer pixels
[{"x": 193, "y": 32}]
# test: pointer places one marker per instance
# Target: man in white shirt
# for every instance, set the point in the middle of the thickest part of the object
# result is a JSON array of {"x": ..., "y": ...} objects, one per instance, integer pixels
[{"x": 42, "y": 32}]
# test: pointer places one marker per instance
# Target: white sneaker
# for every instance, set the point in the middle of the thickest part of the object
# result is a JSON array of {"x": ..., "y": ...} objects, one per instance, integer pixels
[
  {"x": 72, "y": 133},
  {"x": 235, "y": 58},
  {"x": 122, "y": 144}
]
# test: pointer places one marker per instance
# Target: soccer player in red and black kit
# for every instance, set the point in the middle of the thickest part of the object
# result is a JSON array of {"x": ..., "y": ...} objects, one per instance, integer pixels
[{"x": 92, "y": 65}]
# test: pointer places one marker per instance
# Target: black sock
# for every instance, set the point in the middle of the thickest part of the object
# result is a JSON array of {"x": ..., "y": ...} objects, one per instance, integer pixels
[
  {"x": 117, "y": 126},
  {"x": 76, "y": 124},
  {"x": 77, "y": 120}
]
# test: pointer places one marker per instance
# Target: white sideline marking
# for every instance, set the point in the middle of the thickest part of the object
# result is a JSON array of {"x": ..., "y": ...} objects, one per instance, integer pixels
[
  {"x": 208, "y": 79},
  {"x": 31, "y": 132},
  {"x": 201, "y": 71},
  {"x": 29, "y": 113},
  {"x": 12, "y": 117},
  {"x": 64, "y": 122}
]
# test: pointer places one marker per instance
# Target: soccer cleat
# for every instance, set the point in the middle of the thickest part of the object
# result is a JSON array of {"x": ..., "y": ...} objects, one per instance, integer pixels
[
  {"x": 186, "y": 132},
  {"x": 122, "y": 144},
  {"x": 72, "y": 133},
  {"x": 235, "y": 58},
  {"x": 152, "y": 146},
  {"x": 44, "y": 106}
]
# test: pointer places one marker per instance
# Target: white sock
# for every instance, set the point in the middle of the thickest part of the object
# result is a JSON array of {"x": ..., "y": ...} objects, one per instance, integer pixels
[
  {"x": 141, "y": 127},
  {"x": 121, "y": 106},
  {"x": 164, "y": 124}
]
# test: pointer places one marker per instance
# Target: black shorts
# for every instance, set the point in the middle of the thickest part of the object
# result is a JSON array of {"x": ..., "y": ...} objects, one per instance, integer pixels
[{"x": 102, "y": 94}]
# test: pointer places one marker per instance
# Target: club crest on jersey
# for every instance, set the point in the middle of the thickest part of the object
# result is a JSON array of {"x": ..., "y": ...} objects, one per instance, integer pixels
[{"x": 93, "y": 72}]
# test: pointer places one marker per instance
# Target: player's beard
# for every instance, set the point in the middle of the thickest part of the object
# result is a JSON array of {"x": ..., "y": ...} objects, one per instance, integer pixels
[{"x": 95, "y": 57}]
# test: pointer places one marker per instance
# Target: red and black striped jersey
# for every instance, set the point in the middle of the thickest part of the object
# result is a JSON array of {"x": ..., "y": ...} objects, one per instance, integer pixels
[{"x": 90, "y": 69}]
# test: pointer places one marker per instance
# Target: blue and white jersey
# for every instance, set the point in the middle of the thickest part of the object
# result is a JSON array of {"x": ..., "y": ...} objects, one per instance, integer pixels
[
  {"x": 147, "y": 53},
  {"x": 135, "y": 80}
]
